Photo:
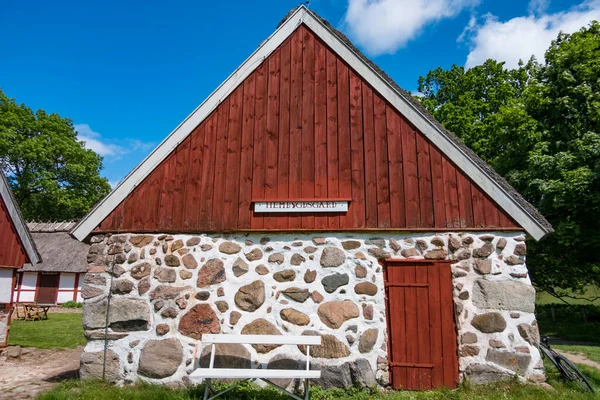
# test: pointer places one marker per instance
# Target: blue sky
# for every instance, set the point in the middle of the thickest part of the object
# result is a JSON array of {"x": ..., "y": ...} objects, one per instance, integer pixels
[{"x": 128, "y": 72}]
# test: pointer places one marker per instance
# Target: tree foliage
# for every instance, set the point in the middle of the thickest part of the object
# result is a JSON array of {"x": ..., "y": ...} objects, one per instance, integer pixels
[
  {"x": 539, "y": 126},
  {"x": 52, "y": 175}
]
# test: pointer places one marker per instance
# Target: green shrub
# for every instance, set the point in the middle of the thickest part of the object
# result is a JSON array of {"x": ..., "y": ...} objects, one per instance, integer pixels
[{"x": 72, "y": 304}]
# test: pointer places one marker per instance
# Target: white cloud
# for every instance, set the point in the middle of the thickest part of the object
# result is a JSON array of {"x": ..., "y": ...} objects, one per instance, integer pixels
[
  {"x": 538, "y": 6},
  {"x": 94, "y": 141},
  {"x": 522, "y": 37},
  {"x": 384, "y": 26}
]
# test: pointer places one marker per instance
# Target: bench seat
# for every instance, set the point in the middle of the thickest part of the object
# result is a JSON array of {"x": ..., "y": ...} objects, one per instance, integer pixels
[{"x": 239, "y": 373}]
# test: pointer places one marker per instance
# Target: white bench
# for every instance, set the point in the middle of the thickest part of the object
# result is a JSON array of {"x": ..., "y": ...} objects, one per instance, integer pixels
[{"x": 251, "y": 374}]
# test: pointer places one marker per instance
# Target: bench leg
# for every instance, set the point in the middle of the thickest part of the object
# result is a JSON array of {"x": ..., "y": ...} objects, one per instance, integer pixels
[
  {"x": 206, "y": 388},
  {"x": 306, "y": 389}
]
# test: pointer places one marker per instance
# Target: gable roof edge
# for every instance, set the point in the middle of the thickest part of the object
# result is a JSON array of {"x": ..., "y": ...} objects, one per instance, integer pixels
[
  {"x": 489, "y": 181},
  {"x": 137, "y": 175},
  {"x": 478, "y": 170},
  {"x": 15, "y": 215}
]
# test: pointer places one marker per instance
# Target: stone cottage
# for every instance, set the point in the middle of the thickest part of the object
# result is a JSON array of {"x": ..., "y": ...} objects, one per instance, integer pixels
[{"x": 310, "y": 195}]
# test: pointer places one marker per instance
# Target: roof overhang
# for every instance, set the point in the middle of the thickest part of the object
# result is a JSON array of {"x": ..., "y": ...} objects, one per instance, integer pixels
[
  {"x": 17, "y": 220},
  {"x": 397, "y": 99}
]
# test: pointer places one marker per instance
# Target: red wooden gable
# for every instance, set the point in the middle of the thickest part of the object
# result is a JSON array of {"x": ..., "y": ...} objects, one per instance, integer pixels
[
  {"x": 12, "y": 252},
  {"x": 304, "y": 125}
]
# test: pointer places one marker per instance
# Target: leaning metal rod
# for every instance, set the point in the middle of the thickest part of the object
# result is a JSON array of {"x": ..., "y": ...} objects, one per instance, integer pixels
[
  {"x": 112, "y": 274},
  {"x": 282, "y": 389},
  {"x": 226, "y": 390}
]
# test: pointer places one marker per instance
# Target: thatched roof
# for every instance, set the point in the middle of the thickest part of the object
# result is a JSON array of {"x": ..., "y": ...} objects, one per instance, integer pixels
[{"x": 60, "y": 252}]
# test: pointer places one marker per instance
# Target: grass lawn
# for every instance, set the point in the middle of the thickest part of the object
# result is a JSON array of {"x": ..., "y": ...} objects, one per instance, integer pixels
[
  {"x": 591, "y": 352},
  {"x": 504, "y": 391},
  {"x": 560, "y": 321},
  {"x": 58, "y": 331}
]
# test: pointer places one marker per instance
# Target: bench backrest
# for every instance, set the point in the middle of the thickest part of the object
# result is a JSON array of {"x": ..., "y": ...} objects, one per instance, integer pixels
[{"x": 261, "y": 339}]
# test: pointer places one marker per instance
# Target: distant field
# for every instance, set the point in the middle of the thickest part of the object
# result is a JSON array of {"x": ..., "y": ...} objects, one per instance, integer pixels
[{"x": 589, "y": 292}]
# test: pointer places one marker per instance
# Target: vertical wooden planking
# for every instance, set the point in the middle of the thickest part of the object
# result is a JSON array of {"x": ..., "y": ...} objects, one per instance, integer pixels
[
  {"x": 344, "y": 145},
  {"x": 272, "y": 142},
  {"x": 165, "y": 211},
  {"x": 450, "y": 194},
  {"x": 492, "y": 219},
  {"x": 412, "y": 332},
  {"x": 259, "y": 156},
  {"x": 437, "y": 180},
  {"x": 181, "y": 170},
  {"x": 465, "y": 204},
  {"x": 398, "y": 322},
  {"x": 332, "y": 137},
  {"x": 411, "y": 179},
  {"x": 218, "y": 209},
  {"x": 245, "y": 197},
  {"x": 397, "y": 213},
  {"x": 194, "y": 179},
  {"x": 139, "y": 212},
  {"x": 370, "y": 160},
  {"x": 478, "y": 207},
  {"x": 154, "y": 181},
  {"x": 435, "y": 325},
  {"x": 232, "y": 173},
  {"x": 381, "y": 163},
  {"x": 308, "y": 124},
  {"x": 283, "y": 163},
  {"x": 208, "y": 173},
  {"x": 295, "y": 159},
  {"x": 423, "y": 321},
  {"x": 320, "y": 130},
  {"x": 425, "y": 186},
  {"x": 357, "y": 148},
  {"x": 505, "y": 221},
  {"x": 130, "y": 202},
  {"x": 448, "y": 328},
  {"x": 324, "y": 136},
  {"x": 118, "y": 216}
]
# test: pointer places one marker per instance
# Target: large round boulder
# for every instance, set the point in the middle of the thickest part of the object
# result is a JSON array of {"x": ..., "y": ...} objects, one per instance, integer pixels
[{"x": 160, "y": 358}]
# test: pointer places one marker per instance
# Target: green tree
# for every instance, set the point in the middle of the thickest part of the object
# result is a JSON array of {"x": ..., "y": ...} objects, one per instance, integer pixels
[
  {"x": 539, "y": 126},
  {"x": 52, "y": 175}
]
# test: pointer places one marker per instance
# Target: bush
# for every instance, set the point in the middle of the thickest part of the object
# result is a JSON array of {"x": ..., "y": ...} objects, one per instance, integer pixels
[{"x": 72, "y": 304}]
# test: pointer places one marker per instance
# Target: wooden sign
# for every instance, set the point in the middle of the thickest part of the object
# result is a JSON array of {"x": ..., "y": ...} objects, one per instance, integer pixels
[{"x": 300, "y": 206}]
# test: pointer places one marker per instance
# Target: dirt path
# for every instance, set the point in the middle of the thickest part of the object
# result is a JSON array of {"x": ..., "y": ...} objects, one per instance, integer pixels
[
  {"x": 36, "y": 371},
  {"x": 579, "y": 358}
]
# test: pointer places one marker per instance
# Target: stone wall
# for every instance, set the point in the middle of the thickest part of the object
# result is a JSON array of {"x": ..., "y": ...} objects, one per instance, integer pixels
[{"x": 167, "y": 290}]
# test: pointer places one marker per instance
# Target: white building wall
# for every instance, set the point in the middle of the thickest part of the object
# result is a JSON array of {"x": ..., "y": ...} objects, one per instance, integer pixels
[
  {"x": 79, "y": 285},
  {"x": 29, "y": 281},
  {"x": 6, "y": 282},
  {"x": 66, "y": 281},
  {"x": 27, "y": 289}
]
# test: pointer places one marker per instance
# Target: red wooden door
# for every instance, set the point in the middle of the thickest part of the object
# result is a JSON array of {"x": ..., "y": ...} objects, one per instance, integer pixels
[
  {"x": 420, "y": 316},
  {"x": 48, "y": 288}
]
